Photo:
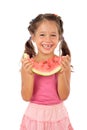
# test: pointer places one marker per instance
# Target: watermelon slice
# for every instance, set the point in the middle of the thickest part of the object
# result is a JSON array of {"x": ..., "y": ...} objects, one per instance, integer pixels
[{"x": 48, "y": 67}]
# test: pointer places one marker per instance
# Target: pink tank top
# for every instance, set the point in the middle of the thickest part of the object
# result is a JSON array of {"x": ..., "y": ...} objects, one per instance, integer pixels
[{"x": 45, "y": 90}]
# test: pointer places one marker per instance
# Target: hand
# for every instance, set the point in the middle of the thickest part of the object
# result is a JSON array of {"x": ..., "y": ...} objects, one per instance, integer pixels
[
  {"x": 65, "y": 63},
  {"x": 27, "y": 64}
]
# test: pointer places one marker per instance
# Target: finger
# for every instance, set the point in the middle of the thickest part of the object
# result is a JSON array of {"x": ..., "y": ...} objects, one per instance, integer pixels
[
  {"x": 24, "y": 60},
  {"x": 65, "y": 63},
  {"x": 68, "y": 58},
  {"x": 27, "y": 64},
  {"x": 28, "y": 69}
]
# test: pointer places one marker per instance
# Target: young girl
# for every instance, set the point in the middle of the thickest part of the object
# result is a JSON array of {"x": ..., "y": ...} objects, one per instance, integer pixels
[{"x": 46, "y": 94}]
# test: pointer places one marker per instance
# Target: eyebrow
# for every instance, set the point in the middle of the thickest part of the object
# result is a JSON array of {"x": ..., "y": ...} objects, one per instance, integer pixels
[{"x": 45, "y": 32}]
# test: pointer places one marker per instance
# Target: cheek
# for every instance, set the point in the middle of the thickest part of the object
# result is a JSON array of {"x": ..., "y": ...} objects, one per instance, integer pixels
[{"x": 56, "y": 41}]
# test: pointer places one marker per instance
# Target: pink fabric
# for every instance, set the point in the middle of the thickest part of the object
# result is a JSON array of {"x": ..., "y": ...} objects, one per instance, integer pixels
[
  {"x": 44, "y": 117},
  {"x": 45, "y": 90}
]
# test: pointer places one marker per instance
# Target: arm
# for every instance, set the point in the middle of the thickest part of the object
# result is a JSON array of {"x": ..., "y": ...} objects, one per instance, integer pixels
[
  {"x": 27, "y": 78},
  {"x": 64, "y": 78}
]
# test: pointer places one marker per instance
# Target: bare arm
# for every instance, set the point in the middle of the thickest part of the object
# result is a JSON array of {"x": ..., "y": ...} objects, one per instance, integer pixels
[
  {"x": 27, "y": 80},
  {"x": 64, "y": 78}
]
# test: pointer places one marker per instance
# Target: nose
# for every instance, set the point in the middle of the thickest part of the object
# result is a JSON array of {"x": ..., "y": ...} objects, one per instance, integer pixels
[{"x": 48, "y": 39}]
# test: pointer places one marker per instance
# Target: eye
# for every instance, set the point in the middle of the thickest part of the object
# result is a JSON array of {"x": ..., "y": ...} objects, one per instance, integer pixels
[
  {"x": 53, "y": 35},
  {"x": 42, "y": 34}
]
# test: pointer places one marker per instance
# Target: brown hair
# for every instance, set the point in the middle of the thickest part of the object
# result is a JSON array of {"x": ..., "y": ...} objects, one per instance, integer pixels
[{"x": 33, "y": 25}]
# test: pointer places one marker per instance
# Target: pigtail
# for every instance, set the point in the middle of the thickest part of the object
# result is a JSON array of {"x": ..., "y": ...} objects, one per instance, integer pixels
[
  {"x": 29, "y": 48},
  {"x": 64, "y": 48}
]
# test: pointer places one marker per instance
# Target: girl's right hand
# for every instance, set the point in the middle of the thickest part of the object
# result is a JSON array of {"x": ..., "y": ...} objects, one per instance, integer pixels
[{"x": 27, "y": 64}]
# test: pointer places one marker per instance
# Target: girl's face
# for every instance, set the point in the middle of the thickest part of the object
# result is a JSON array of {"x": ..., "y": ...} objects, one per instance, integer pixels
[{"x": 46, "y": 37}]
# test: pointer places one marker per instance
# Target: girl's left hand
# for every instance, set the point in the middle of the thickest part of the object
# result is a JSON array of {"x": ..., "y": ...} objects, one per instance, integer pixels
[{"x": 65, "y": 63}]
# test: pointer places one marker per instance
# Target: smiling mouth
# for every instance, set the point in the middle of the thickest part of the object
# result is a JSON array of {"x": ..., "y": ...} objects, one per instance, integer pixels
[{"x": 47, "y": 46}]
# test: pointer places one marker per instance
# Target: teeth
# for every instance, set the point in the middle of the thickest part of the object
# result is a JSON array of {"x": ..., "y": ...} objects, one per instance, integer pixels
[{"x": 47, "y": 45}]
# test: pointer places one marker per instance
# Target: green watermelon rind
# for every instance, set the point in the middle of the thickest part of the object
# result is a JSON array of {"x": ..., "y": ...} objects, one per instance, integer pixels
[{"x": 55, "y": 70}]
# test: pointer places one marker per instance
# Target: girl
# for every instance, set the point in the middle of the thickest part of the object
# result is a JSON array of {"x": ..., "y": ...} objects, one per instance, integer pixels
[{"x": 46, "y": 94}]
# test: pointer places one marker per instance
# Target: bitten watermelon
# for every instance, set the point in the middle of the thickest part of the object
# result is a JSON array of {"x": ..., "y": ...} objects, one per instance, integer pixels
[
  {"x": 48, "y": 67},
  {"x": 25, "y": 55}
]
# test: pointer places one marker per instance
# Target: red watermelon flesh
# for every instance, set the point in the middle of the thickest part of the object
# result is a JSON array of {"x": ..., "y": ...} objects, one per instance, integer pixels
[{"x": 46, "y": 68}]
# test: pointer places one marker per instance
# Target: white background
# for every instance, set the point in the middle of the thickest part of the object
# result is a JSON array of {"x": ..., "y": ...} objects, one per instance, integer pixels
[{"x": 14, "y": 18}]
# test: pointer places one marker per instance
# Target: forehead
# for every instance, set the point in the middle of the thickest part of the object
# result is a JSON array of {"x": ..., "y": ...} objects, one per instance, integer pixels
[{"x": 47, "y": 24}]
